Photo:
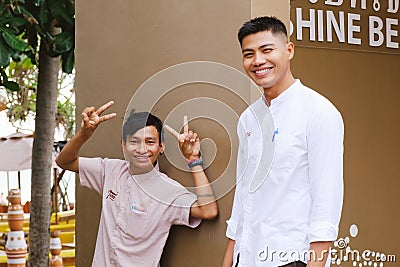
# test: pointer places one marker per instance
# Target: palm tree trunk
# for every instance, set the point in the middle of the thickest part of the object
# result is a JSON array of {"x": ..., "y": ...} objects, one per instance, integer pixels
[{"x": 46, "y": 107}]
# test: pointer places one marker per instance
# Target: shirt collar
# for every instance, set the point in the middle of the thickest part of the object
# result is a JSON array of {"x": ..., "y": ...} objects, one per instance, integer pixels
[
  {"x": 286, "y": 94},
  {"x": 152, "y": 174}
]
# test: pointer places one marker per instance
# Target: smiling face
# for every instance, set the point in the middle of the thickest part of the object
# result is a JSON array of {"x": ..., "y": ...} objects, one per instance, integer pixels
[
  {"x": 266, "y": 59},
  {"x": 142, "y": 149}
]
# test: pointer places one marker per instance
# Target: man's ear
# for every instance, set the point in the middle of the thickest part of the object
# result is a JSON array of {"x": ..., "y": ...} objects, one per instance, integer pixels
[
  {"x": 162, "y": 146},
  {"x": 122, "y": 145},
  {"x": 290, "y": 48}
]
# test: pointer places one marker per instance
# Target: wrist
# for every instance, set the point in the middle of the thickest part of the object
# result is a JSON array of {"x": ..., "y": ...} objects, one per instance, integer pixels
[
  {"x": 83, "y": 135},
  {"x": 192, "y": 158},
  {"x": 195, "y": 162}
]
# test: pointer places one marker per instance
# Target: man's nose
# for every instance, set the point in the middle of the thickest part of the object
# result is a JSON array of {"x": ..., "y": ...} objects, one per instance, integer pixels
[
  {"x": 258, "y": 59},
  {"x": 141, "y": 148}
]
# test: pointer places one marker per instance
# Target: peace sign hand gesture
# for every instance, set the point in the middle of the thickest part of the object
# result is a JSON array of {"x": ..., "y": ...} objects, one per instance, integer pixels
[
  {"x": 189, "y": 142},
  {"x": 91, "y": 118}
]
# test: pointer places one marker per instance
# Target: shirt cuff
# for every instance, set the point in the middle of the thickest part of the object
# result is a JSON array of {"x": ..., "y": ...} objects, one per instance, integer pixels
[
  {"x": 231, "y": 229},
  {"x": 322, "y": 231}
]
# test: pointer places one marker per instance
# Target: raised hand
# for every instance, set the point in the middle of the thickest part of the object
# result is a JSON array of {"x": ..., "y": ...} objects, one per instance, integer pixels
[
  {"x": 189, "y": 142},
  {"x": 91, "y": 118}
]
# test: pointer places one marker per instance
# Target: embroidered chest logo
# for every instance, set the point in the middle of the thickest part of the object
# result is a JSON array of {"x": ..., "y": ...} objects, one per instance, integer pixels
[
  {"x": 111, "y": 195},
  {"x": 248, "y": 133}
]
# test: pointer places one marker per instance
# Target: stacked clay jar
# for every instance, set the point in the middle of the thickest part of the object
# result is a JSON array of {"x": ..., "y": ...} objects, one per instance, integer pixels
[
  {"x": 55, "y": 250},
  {"x": 15, "y": 246}
]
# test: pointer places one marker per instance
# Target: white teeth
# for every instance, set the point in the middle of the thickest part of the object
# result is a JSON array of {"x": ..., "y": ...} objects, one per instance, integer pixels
[{"x": 262, "y": 71}]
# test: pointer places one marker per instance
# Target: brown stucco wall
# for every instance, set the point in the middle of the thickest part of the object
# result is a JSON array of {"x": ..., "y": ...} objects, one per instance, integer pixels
[
  {"x": 123, "y": 43},
  {"x": 120, "y": 44}
]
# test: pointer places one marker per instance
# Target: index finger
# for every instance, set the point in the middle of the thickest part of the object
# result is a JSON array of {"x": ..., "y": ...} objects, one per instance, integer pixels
[
  {"x": 104, "y": 107},
  {"x": 172, "y": 131},
  {"x": 185, "y": 124}
]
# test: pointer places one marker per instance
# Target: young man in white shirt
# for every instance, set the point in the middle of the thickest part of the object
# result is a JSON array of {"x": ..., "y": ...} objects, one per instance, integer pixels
[{"x": 293, "y": 217}]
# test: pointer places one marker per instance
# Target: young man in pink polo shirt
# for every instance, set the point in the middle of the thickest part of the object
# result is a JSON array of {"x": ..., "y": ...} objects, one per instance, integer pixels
[{"x": 139, "y": 203}]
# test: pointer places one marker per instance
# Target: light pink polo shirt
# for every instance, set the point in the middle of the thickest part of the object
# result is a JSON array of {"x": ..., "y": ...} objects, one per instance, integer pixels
[{"x": 137, "y": 212}]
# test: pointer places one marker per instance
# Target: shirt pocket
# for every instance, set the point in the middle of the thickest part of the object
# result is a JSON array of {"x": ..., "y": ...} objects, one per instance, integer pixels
[{"x": 136, "y": 221}]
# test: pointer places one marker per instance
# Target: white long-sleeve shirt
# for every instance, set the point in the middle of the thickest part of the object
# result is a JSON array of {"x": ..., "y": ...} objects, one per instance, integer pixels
[{"x": 300, "y": 200}]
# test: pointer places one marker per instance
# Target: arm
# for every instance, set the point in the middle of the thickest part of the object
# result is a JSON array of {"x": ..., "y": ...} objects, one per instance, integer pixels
[
  {"x": 325, "y": 157},
  {"x": 321, "y": 250},
  {"x": 206, "y": 206},
  {"x": 237, "y": 207},
  {"x": 68, "y": 158},
  {"x": 228, "y": 258}
]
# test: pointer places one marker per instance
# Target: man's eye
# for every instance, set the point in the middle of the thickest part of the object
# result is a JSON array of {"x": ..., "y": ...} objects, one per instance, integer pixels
[
  {"x": 247, "y": 55},
  {"x": 150, "y": 142}
]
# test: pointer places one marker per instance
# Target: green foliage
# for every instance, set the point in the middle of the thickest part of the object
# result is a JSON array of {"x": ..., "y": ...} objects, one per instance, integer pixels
[
  {"x": 14, "y": 42},
  {"x": 23, "y": 24},
  {"x": 21, "y": 95},
  {"x": 66, "y": 117}
]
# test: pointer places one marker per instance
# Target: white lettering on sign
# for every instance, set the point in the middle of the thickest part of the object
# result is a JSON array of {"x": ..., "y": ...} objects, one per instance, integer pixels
[
  {"x": 376, "y": 36},
  {"x": 363, "y": 4},
  {"x": 393, "y": 6},
  {"x": 338, "y": 26},
  {"x": 334, "y": 3},
  {"x": 352, "y": 28},
  {"x": 376, "y": 5},
  {"x": 321, "y": 25},
  {"x": 334, "y": 26},
  {"x": 332, "y": 23},
  {"x": 391, "y": 33},
  {"x": 305, "y": 24},
  {"x": 375, "y": 31}
]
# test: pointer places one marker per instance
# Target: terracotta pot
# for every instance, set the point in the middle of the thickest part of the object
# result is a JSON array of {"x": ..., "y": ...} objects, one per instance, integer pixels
[
  {"x": 17, "y": 262},
  {"x": 16, "y": 249},
  {"x": 55, "y": 245},
  {"x": 15, "y": 209},
  {"x": 14, "y": 196},
  {"x": 15, "y": 221},
  {"x": 56, "y": 261},
  {"x": 3, "y": 208},
  {"x": 16, "y": 243},
  {"x": 55, "y": 249}
]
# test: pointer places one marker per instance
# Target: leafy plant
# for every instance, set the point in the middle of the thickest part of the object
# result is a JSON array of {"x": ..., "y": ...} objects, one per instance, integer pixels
[
  {"x": 22, "y": 24},
  {"x": 21, "y": 100}
]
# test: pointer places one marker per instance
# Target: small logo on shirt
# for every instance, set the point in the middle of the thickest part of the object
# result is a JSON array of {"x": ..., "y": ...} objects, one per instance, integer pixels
[
  {"x": 133, "y": 206},
  {"x": 111, "y": 195},
  {"x": 275, "y": 133},
  {"x": 248, "y": 134}
]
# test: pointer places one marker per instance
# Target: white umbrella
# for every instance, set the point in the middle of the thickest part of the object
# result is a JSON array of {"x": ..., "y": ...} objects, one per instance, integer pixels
[{"x": 16, "y": 153}]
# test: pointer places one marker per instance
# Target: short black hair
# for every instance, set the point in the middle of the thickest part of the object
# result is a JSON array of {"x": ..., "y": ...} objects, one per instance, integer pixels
[
  {"x": 261, "y": 24},
  {"x": 139, "y": 120}
]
